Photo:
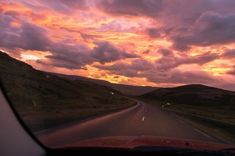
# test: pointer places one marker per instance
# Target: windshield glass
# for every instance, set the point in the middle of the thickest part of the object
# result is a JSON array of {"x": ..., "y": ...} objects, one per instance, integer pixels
[{"x": 87, "y": 72}]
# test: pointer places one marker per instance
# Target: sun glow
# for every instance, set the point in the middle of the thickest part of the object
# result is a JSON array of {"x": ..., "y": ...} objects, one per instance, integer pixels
[
  {"x": 26, "y": 57},
  {"x": 72, "y": 33}
]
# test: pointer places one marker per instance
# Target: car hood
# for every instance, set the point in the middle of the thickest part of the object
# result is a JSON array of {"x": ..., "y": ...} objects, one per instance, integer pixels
[{"x": 130, "y": 142}]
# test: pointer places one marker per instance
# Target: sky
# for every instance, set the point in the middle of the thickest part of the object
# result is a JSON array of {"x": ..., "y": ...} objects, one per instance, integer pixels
[{"x": 161, "y": 43}]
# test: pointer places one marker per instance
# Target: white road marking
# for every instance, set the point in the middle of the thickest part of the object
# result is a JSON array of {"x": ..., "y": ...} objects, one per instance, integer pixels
[
  {"x": 203, "y": 133},
  {"x": 143, "y": 118}
]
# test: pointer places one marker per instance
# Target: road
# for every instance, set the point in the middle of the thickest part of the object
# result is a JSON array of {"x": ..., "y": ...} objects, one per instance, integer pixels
[{"x": 140, "y": 120}]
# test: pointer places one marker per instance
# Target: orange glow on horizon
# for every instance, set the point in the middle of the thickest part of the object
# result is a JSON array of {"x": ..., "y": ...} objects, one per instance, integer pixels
[{"x": 128, "y": 34}]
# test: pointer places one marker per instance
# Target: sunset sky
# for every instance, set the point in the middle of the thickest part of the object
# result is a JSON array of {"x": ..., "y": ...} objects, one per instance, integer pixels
[{"x": 138, "y": 42}]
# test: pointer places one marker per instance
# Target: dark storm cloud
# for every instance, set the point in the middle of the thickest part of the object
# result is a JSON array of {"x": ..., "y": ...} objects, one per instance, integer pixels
[
  {"x": 200, "y": 59},
  {"x": 198, "y": 22},
  {"x": 62, "y": 6},
  {"x": 210, "y": 28},
  {"x": 31, "y": 37},
  {"x": 169, "y": 61},
  {"x": 69, "y": 56},
  {"x": 105, "y": 52},
  {"x": 153, "y": 32},
  {"x": 82, "y": 4},
  {"x": 232, "y": 72},
  {"x": 185, "y": 23},
  {"x": 76, "y": 57},
  {"x": 164, "y": 68},
  {"x": 158, "y": 74},
  {"x": 84, "y": 35},
  {"x": 13, "y": 14},
  {"x": 27, "y": 36},
  {"x": 229, "y": 54},
  {"x": 131, "y": 70},
  {"x": 181, "y": 77},
  {"x": 131, "y": 7}
]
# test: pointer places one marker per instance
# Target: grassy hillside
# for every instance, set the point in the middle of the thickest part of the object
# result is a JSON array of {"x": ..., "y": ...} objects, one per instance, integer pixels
[
  {"x": 124, "y": 89},
  {"x": 193, "y": 95},
  {"x": 45, "y": 100},
  {"x": 211, "y": 109}
]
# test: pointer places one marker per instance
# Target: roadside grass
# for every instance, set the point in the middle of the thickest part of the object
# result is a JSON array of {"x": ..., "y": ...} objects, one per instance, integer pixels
[
  {"x": 217, "y": 121},
  {"x": 43, "y": 104},
  {"x": 222, "y": 113},
  {"x": 44, "y": 100},
  {"x": 48, "y": 113},
  {"x": 217, "y": 129},
  {"x": 46, "y": 119}
]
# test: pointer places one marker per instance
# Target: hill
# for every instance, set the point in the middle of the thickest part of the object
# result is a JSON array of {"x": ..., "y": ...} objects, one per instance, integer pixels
[
  {"x": 194, "y": 94},
  {"x": 208, "y": 109},
  {"x": 45, "y": 100},
  {"x": 128, "y": 90}
]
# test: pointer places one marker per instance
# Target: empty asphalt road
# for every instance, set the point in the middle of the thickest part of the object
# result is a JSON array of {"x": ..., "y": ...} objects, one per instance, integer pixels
[{"x": 140, "y": 120}]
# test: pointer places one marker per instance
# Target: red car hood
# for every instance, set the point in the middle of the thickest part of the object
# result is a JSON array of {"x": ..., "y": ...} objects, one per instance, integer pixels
[{"x": 130, "y": 142}]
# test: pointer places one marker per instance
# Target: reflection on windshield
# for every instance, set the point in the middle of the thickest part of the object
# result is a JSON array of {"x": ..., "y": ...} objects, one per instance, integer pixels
[{"x": 144, "y": 72}]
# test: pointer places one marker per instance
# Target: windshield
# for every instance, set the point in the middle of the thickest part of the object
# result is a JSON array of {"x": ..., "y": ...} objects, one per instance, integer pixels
[{"x": 111, "y": 72}]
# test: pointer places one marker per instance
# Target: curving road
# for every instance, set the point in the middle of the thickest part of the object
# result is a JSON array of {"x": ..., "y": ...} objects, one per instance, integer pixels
[{"x": 140, "y": 120}]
